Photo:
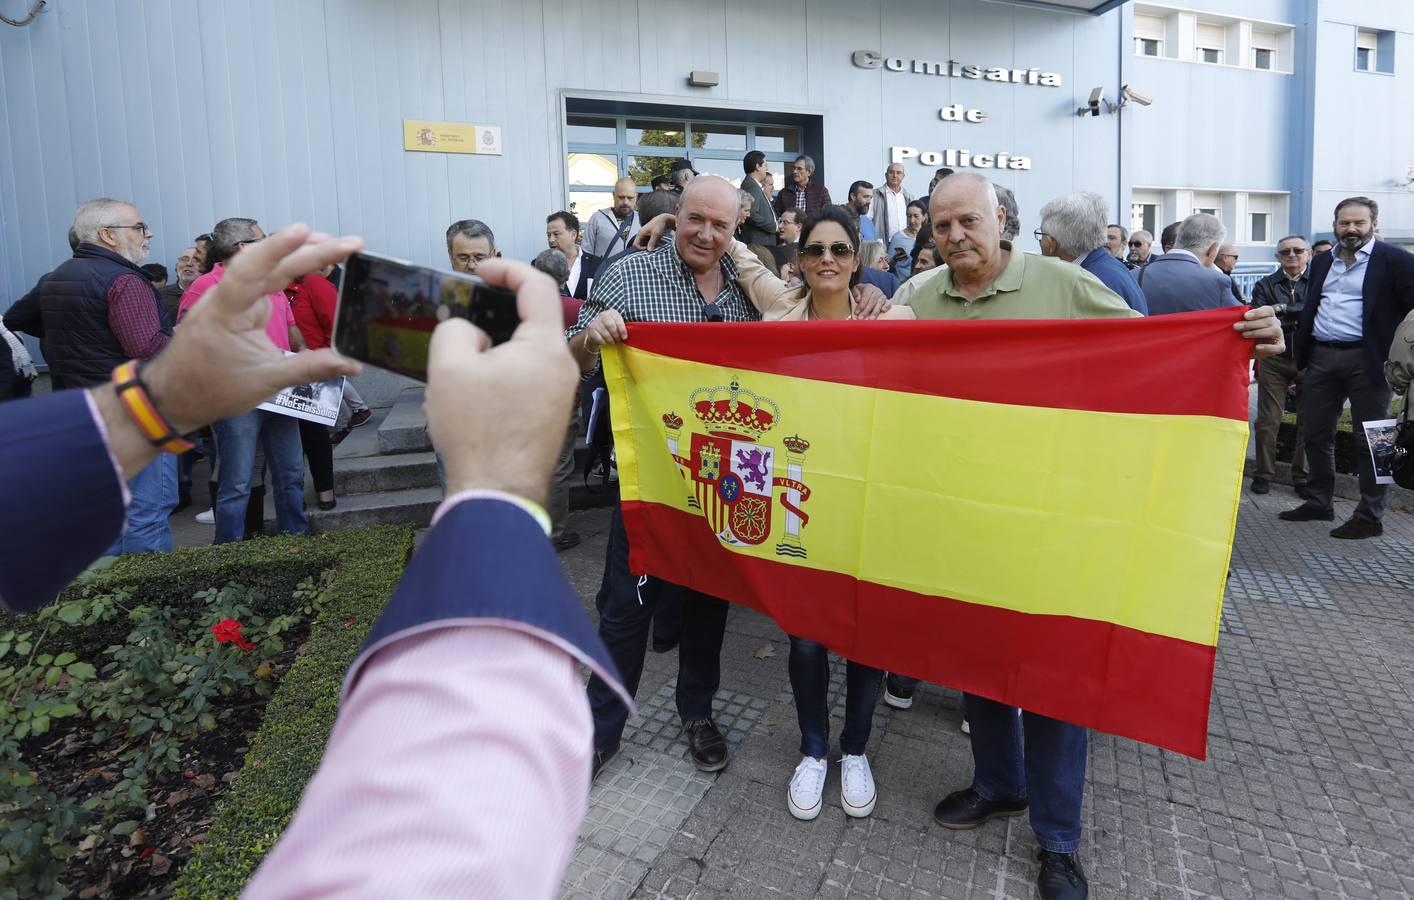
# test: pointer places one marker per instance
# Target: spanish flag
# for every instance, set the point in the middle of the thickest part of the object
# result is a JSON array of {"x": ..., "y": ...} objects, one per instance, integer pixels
[{"x": 1039, "y": 512}]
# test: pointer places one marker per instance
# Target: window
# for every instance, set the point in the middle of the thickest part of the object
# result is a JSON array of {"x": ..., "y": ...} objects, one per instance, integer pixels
[
  {"x": 604, "y": 148},
  {"x": 1210, "y": 210},
  {"x": 1144, "y": 216},
  {"x": 1210, "y": 55},
  {"x": 1264, "y": 49},
  {"x": 1365, "y": 59},
  {"x": 1260, "y": 227},
  {"x": 1210, "y": 41},
  {"x": 1261, "y": 58},
  {"x": 1148, "y": 46},
  {"x": 1149, "y": 33},
  {"x": 1374, "y": 51}
]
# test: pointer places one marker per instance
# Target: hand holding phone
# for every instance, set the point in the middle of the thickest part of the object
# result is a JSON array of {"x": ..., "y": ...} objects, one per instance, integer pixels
[{"x": 388, "y": 308}]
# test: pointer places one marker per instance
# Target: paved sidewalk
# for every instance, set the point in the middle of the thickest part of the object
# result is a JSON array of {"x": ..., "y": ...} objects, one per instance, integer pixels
[{"x": 1308, "y": 790}]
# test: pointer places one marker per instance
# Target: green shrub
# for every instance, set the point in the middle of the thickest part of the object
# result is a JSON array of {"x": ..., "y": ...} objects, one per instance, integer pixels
[{"x": 287, "y": 749}]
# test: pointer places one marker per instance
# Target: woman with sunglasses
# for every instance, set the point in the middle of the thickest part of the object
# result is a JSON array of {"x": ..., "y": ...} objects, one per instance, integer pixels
[{"x": 829, "y": 264}]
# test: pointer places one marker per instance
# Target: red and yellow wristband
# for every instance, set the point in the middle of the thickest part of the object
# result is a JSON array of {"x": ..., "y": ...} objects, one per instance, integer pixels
[{"x": 132, "y": 392}]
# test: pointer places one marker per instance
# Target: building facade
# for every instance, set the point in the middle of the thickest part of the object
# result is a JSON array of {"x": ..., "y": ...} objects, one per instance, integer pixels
[{"x": 333, "y": 111}]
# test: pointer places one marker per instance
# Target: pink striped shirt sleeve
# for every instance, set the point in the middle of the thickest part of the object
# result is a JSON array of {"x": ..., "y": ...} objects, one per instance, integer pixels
[{"x": 458, "y": 767}]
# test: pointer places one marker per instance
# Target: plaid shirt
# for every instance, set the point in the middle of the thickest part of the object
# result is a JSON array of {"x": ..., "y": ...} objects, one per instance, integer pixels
[
  {"x": 133, "y": 316},
  {"x": 659, "y": 287}
]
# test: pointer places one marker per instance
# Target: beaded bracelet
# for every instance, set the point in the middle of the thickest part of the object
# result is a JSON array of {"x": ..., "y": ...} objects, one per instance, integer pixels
[{"x": 127, "y": 380}]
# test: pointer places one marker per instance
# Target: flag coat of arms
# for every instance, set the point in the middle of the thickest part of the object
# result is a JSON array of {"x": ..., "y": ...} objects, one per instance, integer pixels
[{"x": 1038, "y": 512}]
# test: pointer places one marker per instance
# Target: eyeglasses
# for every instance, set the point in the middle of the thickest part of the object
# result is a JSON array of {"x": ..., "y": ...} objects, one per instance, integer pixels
[
  {"x": 1136, "y": 243},
  {"x": 250, "y": 241},
  {"x": 463, "y": 259},
  {"x": 1291, "y": 251},
  {"x": 1039, "y": 234},
  {"x": 839, "y": 250},
  {"x": 140, "y": 226},
  {"x": 713, "y": 312}
]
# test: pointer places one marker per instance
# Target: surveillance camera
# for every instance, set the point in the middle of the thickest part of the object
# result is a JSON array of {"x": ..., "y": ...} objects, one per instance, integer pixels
[
  {"x": 1130, "y": 94},
  {"x": 1092, "y": 107}
]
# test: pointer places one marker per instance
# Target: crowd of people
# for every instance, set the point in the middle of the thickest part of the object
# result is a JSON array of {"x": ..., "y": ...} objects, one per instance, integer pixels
[{"x": 702, "y": 249}]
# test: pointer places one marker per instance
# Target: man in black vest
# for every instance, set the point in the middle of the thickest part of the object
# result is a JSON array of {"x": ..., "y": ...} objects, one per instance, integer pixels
[{"x": 98, "y": 311}]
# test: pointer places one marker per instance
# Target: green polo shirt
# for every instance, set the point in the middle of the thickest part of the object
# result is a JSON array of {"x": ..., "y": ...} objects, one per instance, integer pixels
[{"x": 1030, "y": 287}]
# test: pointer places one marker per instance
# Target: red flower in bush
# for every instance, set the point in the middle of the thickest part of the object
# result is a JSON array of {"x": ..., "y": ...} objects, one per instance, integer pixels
[{"x": 228, "y": 631}]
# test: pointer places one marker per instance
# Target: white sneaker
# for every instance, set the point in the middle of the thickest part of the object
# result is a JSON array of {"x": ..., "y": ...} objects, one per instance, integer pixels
[
  {"x": 207, "y": 518},
  {"x": 857, "y": 794},
  {"x": 807, "y": 787}
]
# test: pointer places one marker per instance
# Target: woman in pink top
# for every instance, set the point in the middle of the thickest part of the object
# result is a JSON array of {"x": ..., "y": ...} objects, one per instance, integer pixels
[{"x": 238, "y": 438}]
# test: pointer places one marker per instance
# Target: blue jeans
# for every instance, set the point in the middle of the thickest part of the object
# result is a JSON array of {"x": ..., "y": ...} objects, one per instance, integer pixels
[
  {"x": 810, "y": 682},
  {"x": 626, "y": 603},
  {"x": 1049, "y": 770},
  {"x": 154, "y": 495},
  {"x": 237, "y": 438}
]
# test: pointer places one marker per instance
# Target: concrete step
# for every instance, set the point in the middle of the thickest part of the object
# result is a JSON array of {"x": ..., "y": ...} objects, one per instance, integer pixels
[
  {"x": 404, "y": 429},
  {"x": 414, "y": 506},
  {"x": 395, "y": 472}
]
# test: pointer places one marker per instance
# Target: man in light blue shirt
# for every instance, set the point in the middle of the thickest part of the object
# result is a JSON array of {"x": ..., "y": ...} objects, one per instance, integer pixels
[{"x": 1357, "y": 295}]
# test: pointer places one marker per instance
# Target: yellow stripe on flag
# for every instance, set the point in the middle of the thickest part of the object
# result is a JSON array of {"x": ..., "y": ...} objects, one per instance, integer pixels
[{"x": 1033, "y": 509}]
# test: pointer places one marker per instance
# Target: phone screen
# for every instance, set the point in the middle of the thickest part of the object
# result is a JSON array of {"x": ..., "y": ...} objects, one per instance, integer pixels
[{"x": 388, "y": 308}]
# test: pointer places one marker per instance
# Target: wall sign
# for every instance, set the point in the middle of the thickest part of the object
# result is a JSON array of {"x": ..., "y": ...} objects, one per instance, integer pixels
[
  {"x": 872, "y": 59},
  {"x": 451, "y": 137}
]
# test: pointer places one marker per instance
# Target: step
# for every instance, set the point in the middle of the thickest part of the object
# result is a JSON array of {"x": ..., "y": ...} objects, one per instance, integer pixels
[
  {"x": 394, "y": 472},
  {"x": 413, "y": 506},
  {"x": 404, "y": 429}
]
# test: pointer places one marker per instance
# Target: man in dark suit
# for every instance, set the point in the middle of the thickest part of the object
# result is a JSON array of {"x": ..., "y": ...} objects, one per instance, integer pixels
[
  {"x": 562, "y": 233},
  {"x": 803, "y": 193},
  {"x": 1359, "y": 293},
  {"x": 760, "y": 227},
  {"x": 484, "y": 627},
  {"x": 1184, "y": 280}
]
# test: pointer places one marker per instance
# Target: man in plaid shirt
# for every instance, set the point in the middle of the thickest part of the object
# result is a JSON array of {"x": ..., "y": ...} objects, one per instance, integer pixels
[{"x": 688, "y": 279}]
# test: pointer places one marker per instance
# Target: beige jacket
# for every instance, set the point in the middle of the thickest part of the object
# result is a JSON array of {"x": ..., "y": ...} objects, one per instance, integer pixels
[
  {"x": 778, "y": 301},
  {"x": 1399, "y": 368}
]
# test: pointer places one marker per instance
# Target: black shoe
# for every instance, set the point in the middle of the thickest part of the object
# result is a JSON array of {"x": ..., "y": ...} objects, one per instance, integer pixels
[
  {"x": 664, "y": 644},
  {"x": 1062, "y": 877},
  {"x": 601, "y": 759},
  {"x": 567, "y": 541},
  {"x": 705, "y": 745},
  {"x": 1357, "y": 527},
  {"x": 965, "y": 809},
  {"x": 895, "y": 694},
  {"x": 329, "y": 504},
  {"x": 183, "y": 501},
  {"x": 1308, "y": 512},
  {"x": 1261, "y": 486}
]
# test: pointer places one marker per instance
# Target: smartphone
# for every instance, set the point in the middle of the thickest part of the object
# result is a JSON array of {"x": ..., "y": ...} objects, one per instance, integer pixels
[{"x": 388, "y": 308}]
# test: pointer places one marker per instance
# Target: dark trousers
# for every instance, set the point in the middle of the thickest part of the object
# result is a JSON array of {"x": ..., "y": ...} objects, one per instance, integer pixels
[
  {"x": 558, "y": 502},
  {"x": 810, "y": 683},
  {"x": 1275, "y": 375},
  {"x": 1333, "y": 376},
  {"x": 1030, "y": 757},
  {"x": 626, "y": 602},
  {"x": 314, "y": 438}
]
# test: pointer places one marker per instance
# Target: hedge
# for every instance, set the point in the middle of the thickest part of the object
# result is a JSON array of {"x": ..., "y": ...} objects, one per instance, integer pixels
[
  {"x": 367, "y": 564},
  {"x": 290, "y": 743}
]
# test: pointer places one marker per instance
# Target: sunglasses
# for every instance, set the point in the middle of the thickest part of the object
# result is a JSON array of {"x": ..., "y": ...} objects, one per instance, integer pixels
[
  {"x": 839, "y": 250},
  {"x": 1136, "y": 243},
  {"x": 1291, "y": 251}
]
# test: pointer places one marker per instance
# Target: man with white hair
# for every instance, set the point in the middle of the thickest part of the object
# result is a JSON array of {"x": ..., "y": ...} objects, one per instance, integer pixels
[
  {"x": 99, "y": 311},
  {"x": 1073, "y": 229},
  {"x": 1184, "y": 279},
  {"x": 986, "y": 278},
  {"x": 688, "y": 279}
]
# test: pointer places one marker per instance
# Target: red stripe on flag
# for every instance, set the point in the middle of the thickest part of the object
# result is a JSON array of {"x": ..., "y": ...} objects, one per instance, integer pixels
[
  {"x": 1106, "y": 365},
  {"x": 1108, "y": 677}
]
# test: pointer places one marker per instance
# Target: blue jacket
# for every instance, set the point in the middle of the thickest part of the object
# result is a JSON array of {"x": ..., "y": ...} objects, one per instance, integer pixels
[
  {"x": 487, "y": 562},
  {"x": 1388, "y": 294},
  {"x": 884, "y": 281},
  {"x": 1116, "y": 276},
  {"x": 1178, "y": 283}
]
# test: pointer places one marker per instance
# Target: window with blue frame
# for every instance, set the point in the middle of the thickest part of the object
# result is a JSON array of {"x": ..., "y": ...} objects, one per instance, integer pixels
[{"x": 604, "y": 148}]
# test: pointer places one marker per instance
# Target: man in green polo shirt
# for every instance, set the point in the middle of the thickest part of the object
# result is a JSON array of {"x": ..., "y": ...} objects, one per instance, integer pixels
[{"x": 987, "y": 279}]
